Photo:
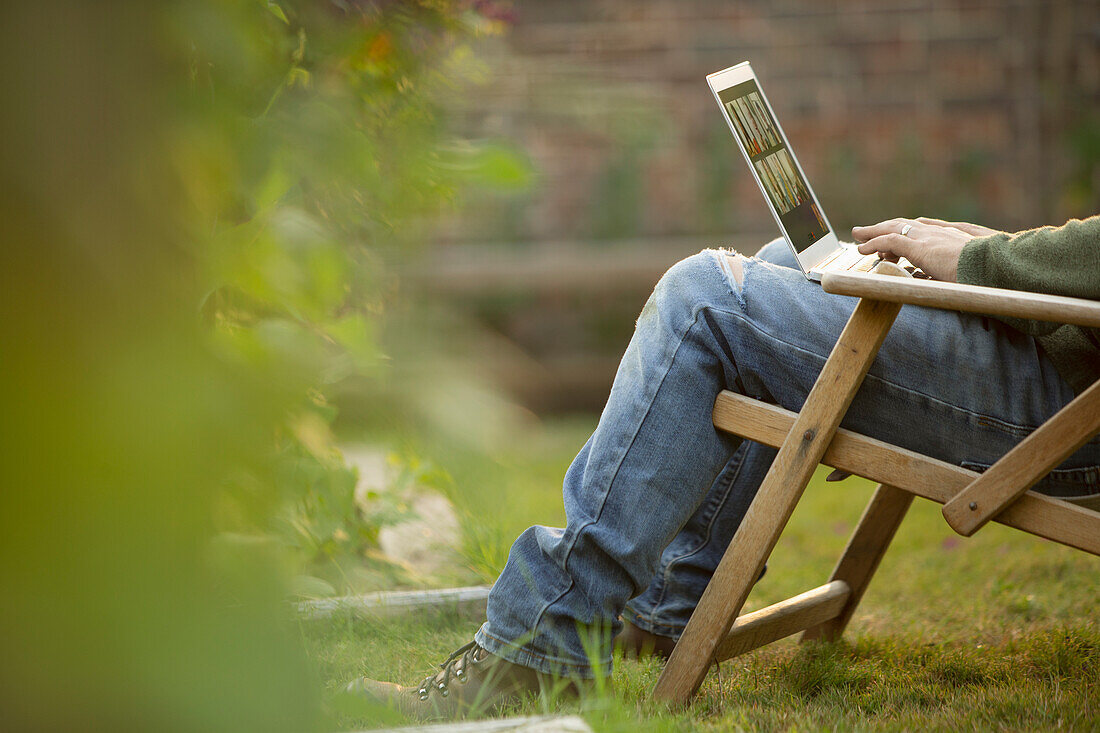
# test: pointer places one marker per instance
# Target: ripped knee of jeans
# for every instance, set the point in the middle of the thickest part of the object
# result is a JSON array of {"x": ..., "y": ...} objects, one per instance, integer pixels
[
  {"x": 732, "y": 265},
  {"x": 736, "y": 271}
]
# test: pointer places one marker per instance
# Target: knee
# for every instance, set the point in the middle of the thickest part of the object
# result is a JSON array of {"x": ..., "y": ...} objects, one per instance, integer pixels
[
  {"x": 703, "y": 272},
  {"x": 685, "y": 276},
  {"x": 691, "y": 282}
]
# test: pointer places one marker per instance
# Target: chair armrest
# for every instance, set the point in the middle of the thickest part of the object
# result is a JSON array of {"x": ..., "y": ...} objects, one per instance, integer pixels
[{"x": 960, "y": 297}]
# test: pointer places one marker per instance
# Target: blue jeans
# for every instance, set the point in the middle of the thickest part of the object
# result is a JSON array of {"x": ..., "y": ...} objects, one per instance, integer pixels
[{"x": 655, "y": 495}]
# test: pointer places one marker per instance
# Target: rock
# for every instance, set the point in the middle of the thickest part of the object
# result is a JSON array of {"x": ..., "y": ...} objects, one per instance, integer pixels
[
  {"x": 427, "y": 543},
  {"x": 539, "y": 724}
]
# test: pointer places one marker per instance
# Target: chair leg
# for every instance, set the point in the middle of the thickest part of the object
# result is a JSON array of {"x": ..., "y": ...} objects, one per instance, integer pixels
[
  {"x": 775, "y": 500},
  {"x": 861, "y": 557}
]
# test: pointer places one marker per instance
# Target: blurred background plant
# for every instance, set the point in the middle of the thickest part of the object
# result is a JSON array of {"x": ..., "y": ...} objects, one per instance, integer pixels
[
  {"x": 314, "y": 155},
  {"x": 202, "y": 204}
]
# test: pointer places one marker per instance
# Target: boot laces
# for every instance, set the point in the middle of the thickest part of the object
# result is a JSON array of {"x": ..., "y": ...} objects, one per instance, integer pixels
[{"x": 454, "y": 666}]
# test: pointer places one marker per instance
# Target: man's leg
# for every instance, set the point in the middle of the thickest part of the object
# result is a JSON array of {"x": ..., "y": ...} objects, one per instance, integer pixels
[
  {"x": 655, "y": 454},
  {"x": 638, "y": 479},
  {"x": 662, "y": 611},
  {"x": 689, "y": 561}
]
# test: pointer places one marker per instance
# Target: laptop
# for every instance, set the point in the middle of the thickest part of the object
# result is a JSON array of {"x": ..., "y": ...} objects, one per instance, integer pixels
[{"x": 776, "y": 170}]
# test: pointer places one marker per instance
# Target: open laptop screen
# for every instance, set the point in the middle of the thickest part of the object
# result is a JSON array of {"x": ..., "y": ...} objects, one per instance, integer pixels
[{"x": 785, "y": 186}]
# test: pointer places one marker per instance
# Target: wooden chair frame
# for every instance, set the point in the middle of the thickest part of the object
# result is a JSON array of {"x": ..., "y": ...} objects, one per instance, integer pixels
[{"x": 811, "y": 436}]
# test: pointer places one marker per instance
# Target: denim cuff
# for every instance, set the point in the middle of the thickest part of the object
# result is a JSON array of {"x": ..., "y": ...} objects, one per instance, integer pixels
[
  {"x": 538, "y": 661},
  {"x": 647, "y": 624}
]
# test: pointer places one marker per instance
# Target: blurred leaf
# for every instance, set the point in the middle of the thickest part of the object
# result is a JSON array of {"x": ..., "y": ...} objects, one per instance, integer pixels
[
  {"x": 274, "y": 9},
  {"x": 313, "y": 433}
]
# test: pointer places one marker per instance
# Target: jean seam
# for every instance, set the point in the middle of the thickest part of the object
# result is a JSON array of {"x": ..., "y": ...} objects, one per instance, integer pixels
[
  {"x": 1018, "y": 431},
  {"x": 1057, "y": 481}
]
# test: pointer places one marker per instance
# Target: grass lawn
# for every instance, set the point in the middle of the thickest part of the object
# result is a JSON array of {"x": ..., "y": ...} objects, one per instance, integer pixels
[{"x": 999, "y": 631}]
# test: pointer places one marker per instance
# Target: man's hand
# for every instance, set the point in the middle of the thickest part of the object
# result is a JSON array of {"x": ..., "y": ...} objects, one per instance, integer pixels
[{"x": 933, "y": 245}]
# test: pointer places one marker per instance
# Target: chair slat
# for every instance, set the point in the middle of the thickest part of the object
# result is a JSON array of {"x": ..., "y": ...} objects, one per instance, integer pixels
[
  {"x": 754, "y": 630},
  {"x": 932, "y": 479}
]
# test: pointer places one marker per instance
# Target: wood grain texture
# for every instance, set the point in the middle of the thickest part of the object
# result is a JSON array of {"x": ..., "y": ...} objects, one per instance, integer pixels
[
  {"x": 933, "y": 479},
  {"x": 969, "y": 298},
  {"x": 775, "y": 500},
  {"x": 856, "y": 567},
  {"x": 780, "y": 620},
  {"x": 1019, "y": 469}
]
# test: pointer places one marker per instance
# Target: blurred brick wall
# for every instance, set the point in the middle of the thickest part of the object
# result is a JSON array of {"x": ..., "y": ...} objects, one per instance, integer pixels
[
  {"x": 895, "y": 107},
  {"x": 981, "y": 111}
]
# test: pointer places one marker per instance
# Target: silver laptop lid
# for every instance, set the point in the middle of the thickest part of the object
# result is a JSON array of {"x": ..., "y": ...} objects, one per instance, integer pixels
[{"x": 773, "y": 164}]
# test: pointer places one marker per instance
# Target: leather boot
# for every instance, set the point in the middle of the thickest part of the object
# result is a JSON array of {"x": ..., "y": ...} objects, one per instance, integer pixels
[
  {"x": 470, "y": 682},
  {"x": 634, "y": 642}
]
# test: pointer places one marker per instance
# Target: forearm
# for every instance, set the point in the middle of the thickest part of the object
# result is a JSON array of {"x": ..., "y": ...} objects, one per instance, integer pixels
[{"x": 1056, "y": 260}]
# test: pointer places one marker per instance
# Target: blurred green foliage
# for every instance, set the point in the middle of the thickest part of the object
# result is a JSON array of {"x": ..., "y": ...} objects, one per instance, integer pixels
[
  {"x": 198, "y": 201},
  {"x": 314, "y": 147}
]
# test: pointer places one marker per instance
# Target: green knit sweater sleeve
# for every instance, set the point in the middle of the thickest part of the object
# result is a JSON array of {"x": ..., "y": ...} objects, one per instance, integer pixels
[{"x": 1061, "y": 260}]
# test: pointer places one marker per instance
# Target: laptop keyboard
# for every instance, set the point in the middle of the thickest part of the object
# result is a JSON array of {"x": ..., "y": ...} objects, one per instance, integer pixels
[
  {"x": 869, "y": 264},
  {"x": 912, "y": 270},
  {"x": 852, "y": 261}
]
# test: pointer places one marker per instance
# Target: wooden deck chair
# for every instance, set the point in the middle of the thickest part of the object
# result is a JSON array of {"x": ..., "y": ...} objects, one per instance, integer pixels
[{"x": 810, "y": 437}]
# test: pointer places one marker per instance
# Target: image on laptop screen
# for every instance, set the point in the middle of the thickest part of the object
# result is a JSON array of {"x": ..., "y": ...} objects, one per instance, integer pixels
[{"x": 787, "y": 190}]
